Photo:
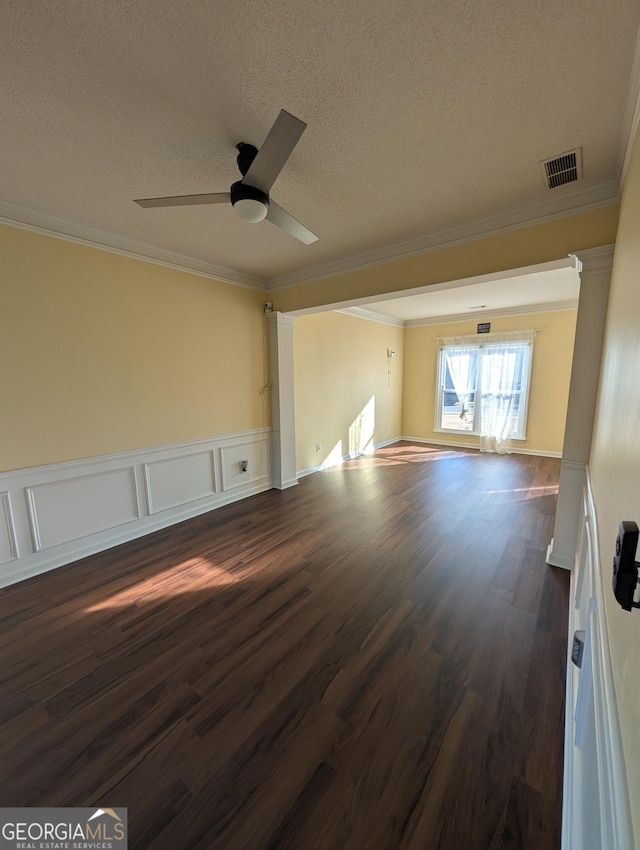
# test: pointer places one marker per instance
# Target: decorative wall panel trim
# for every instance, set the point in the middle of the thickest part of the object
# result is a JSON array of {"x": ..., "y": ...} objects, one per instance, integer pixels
[
  {"x": 176, "y": 481},
  {"x": 59, "y": 513},
  {"x": 70, "y": 508},
  {"x": 595, "y": 802},
  {"x": 256, "y": 453},
  {"x": 8, "y": 543}
]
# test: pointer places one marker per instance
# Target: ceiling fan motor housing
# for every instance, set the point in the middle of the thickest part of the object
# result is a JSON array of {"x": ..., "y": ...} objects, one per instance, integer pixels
[
  {"x": 241, "y": 192},
  {"x": 246, "y": 154}
]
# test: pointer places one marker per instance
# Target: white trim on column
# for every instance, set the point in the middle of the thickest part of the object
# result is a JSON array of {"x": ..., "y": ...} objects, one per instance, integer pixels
[
  {"x": 594, "y": 266},
  {"x": 594, "y": 259},
  {"x": 561, "y": 549},
  {"x": 283, "y": 411}
]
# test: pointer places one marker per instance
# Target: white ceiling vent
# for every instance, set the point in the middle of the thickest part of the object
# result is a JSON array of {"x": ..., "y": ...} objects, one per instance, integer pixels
[{"x": 562, "y": 169}]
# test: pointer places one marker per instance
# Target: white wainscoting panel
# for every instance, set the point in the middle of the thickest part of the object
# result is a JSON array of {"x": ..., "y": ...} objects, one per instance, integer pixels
[
  {"x": 65, "y": 510},
  {"x": 595, "y": 801},
  {"x": 179, "y": 480},
  {"x": 53, "y": 515},
  {"x": 257, "y": 455},
  {"x": 8, "y": 545}
]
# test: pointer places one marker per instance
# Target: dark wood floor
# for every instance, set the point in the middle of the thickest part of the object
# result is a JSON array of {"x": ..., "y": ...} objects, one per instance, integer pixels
[{"x": 373, "y": 659}]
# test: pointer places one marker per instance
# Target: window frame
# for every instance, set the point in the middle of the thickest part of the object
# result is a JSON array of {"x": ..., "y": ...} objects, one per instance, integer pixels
[{"x": 524, "y": 391}]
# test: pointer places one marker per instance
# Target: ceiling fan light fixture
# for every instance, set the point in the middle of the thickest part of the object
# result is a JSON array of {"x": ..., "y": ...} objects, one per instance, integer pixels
[
  {"x": 249, "y": 209},
  {"x": 250, "y": 204}
]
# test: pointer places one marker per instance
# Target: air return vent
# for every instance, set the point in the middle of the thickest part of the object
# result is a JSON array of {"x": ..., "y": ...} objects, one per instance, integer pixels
[{"x": 563, "y": 169}]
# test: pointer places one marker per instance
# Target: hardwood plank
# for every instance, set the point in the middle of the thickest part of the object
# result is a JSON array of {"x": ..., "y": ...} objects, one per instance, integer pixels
[
  {"x": 531, "y": 821},
  {"x": 544, "y": 718},
  {"x": 372, "y": 659},
  {"x": 554, "y": 602}
]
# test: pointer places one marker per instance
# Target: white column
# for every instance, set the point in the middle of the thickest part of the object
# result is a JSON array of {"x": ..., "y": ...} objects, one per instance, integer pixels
[
  {"x": 595, "y": 275},
  {"x": 283, "y": 414}
]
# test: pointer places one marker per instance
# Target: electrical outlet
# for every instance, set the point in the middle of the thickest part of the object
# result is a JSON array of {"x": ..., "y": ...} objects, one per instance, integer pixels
[
  {"x": 318, "y": 447},
  {"x": 244, "y": 465}
]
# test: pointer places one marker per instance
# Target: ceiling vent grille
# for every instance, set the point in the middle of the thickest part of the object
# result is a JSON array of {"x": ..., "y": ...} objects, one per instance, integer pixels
[{"x": 563, "y": 169}]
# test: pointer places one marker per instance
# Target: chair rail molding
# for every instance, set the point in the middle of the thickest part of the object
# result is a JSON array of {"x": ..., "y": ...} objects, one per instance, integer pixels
[{"x": 56, "y": 514}]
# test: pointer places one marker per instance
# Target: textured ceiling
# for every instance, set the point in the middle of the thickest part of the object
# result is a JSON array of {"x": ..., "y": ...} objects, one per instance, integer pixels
[{"x": 421, "y": 115}]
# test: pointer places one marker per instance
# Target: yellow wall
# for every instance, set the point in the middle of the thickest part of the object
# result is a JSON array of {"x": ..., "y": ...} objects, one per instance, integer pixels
[
  {"x": 550, "y": 375},
  {"x": 615, "y": 463},
  {"x": 540, "y": 243},
  {"x": 341, "y": 363},
  {"x": 101, "y": 353}
]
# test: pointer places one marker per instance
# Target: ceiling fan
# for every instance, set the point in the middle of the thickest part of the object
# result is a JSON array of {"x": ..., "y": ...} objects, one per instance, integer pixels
[{"x": 259, "y": 169}]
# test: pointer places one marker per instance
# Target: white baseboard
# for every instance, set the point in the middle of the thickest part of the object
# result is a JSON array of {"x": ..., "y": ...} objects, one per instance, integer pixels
[
  {"x": 53, "y": 515},
  {"x": 309, "y": 471},
  {"x": 302, "y": 473},
  {"x": 390, "y": 442},
  {"x": 516, "y": 450},
  {"x": 558, "y": 560}
]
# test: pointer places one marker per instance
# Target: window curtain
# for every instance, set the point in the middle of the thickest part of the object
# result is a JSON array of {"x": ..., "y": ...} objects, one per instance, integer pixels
[
  {"x": 497, "y": 383},
  {"x": 498, "y": 404},
  {"x": 459, "y": 361}
]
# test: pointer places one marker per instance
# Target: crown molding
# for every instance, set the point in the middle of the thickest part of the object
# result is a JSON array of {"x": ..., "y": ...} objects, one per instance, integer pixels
[
  {"x": 49, "y": 224},
  {"x": 595, "y": 259},
  {"x": 568, "y": 202},
  {"x": 631, "y": 114},
  {"x": 372, "y": 316},
  {"x": 482, "y": 315}
]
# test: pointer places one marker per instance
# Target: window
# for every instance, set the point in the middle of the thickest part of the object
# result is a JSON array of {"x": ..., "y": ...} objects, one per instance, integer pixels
[{"x": 483, "y": 388}]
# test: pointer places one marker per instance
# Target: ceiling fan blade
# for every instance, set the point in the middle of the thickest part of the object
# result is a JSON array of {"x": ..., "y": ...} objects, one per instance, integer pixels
[
  {"x": 275, "y": 151},
  {"x": 280, "y": 217},
  {"x": 186, "y": 200}
]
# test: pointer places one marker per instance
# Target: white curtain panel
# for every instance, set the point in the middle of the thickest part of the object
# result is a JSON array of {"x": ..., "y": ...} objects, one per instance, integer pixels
[
  {"x": 498, "y": 404},
  {"x": 460, "y": 362},
  {"x": 493, "y": 365}
]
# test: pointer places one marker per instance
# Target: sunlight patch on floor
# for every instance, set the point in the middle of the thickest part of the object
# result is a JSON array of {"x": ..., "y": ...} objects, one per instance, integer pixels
[
  {"x": 542, "y": 490},
  {"x": 187, "y": 576}
]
